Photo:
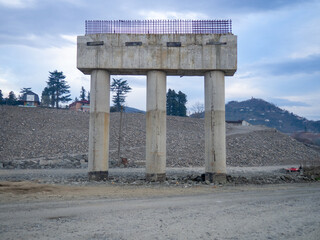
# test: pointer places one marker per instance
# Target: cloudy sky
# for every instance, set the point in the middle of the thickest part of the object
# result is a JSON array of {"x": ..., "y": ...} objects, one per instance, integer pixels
[{"x": 278, "y": 46}]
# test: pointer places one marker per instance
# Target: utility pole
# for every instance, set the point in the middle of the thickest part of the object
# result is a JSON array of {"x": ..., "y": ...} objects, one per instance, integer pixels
[{"x": 120, "y": 131}]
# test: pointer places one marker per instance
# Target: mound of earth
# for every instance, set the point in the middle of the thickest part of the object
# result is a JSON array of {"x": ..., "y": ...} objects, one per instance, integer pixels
[{"x": 50, "y": 134}]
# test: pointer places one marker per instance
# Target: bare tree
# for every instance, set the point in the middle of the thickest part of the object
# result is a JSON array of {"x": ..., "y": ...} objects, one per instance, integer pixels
[{"x": 197, "y": 110}]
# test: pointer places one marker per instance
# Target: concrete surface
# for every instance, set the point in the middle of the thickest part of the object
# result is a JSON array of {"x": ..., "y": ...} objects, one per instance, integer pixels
[
  {"x": 98, "y": 158},
  {"x": 156, "y": 126},
  {"x": 269, "y": 212},
  {"x": 158, "y": 55},
  {"x": 215, "y": 127},
  {"x": 198, "y": 53}
]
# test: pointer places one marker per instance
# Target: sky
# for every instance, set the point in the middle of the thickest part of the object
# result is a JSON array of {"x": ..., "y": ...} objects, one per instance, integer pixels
[{"x": 278, "y": 47}]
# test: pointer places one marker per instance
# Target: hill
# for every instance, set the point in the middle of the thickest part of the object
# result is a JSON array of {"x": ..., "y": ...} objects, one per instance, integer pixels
[
  {"x": 133, "y": 110},
  {"x": 30, "y": 133},
  {"x": 260, "y": 112}
]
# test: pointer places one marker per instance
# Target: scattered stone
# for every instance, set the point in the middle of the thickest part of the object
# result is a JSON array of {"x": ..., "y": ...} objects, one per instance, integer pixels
[
  {"x": 312, "y": 171},
  {"x": 32, "y": 138},
  {"x": 62, "y": 136}
]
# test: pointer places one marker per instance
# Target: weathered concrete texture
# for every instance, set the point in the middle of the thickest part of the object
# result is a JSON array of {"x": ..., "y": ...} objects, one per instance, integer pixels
[
  {"x": 215, "y": 129},
  {"x": 98, "y": 176},
  {"x": 99, "y": 121},
  {"x": 216, "y": 177},
  {"x": 157, "y": 177},
  {"x": 198, "y": 53},
  {"x": 156, "y": 126}
]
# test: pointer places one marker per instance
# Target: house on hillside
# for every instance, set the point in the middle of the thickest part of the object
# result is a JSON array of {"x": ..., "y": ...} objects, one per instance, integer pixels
[
  {"x": 239, "y": 122},
  {"x": 30, "y": 99},
  {"x": 83, "y": 106}
]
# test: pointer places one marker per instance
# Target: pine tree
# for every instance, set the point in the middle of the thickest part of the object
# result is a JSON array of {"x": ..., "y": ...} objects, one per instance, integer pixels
[
  {"x": 12, "y": 100},
  {"x": 172, "y": 103},
  {"x": 182, "y": 100},
  {"x": 88, "y": 96},
  {"x": 45, "y": 97},
  {"x": 82, "y": 94},
  {"x": 1, "y": 97},
  {"x": 176, "y": 103},
  {"x": 121, "y": 88},
  {"x": 169, "y": 102},
  {"x": 58, "y": 88},
  {"x": 25, "y": 90}
]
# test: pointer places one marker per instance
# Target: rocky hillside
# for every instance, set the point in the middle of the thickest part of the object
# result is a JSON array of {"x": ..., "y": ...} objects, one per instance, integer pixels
[
  {"x": 259, "y": 112},
  {"x": 307, "y": 137},
  {"x": 49, "y": 133}
]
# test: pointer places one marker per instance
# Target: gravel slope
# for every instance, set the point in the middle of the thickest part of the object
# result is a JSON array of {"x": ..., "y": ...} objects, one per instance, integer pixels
[{"x": 27, "y": 133}]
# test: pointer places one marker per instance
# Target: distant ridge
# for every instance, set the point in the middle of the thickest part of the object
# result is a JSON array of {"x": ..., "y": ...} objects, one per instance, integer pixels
[
  {"x": 128, "y": 110},
  {"x": 260, "y": 112},
  {"x": 133, "y": 110}
]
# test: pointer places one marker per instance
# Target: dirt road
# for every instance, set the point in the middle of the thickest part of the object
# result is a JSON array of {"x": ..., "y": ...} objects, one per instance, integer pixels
[{"x": 288, "y": 211}]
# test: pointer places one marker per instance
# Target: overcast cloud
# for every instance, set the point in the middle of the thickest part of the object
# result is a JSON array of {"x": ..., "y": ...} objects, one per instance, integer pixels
[{"x": 278, "y": 46}]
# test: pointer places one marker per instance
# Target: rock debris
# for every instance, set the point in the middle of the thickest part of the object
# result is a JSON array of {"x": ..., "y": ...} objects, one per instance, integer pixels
[{"x": 58, "y": 138}]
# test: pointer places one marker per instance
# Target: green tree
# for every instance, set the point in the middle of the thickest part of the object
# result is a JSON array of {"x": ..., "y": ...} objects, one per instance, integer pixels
[
  {"x": 197, "y": 110},
  {"x": 182, "y": 100},
  {"x": 12, "y": 99},
  {"x": 88, "y": 96},
  {"x": 25, "y": 90},
  {"x": 120, "y": 87},
  {"x": 1, "y": 97},
  {"x": 82, "y": 94},
  {"x": 176, "y": 103},
  {"x": 58, "y": 88},
  {"x": 46, "y": 97},
  {"x": 172, "y": 103}
]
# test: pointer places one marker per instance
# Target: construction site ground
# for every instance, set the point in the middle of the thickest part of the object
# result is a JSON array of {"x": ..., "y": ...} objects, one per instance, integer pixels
[
  {"x": 33, "y": 210},
  {"x": 45, "y": 192}
]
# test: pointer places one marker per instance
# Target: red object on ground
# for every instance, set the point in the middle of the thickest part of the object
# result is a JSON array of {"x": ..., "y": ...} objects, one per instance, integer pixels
[{"x": 293, "y": 169}]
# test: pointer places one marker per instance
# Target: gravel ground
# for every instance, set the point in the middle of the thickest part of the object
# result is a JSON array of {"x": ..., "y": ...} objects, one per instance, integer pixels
[
  {"x": 183, "y": 177},
  {"x": 50, "y": 138},
  {"x": 45, "y": 194},
  {"x": 249, "y": 212}
]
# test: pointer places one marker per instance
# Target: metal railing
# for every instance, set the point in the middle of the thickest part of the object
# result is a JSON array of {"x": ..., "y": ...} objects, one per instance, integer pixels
[{"x": 159, "y": 26}]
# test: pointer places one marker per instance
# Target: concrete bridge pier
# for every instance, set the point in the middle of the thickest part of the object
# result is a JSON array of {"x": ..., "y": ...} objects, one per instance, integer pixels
[
  {"x": 156, "y": 126},
  {"x": 99, "y": 125},
  {"x": 215, "y": 127},
  {"x": 210, "y": 52}
]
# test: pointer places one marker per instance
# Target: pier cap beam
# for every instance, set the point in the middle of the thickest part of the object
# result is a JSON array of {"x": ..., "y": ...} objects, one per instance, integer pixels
[{"x": 175, "y": 54}]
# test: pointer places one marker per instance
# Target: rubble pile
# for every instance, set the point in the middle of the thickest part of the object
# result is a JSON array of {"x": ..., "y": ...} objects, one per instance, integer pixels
[{"x": 48, "y": 138}]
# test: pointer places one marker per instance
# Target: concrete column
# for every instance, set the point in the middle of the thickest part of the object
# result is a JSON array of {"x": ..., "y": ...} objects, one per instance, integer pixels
[
  {"x": 99, "y": 125},
  {"x": 156, "y": 126},
  {"x": 215, "y": 127}
]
